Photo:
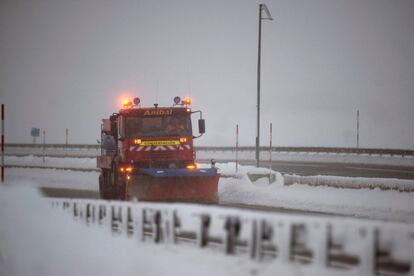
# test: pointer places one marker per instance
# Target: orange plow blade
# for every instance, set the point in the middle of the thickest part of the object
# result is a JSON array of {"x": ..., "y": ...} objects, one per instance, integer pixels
[{"x": 180, "y": 185}]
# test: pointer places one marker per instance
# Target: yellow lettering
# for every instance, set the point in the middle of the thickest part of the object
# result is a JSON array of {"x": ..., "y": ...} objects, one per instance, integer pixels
[
  {"x": 158, "y": 112},
  {"x": 160, "y": 143}
]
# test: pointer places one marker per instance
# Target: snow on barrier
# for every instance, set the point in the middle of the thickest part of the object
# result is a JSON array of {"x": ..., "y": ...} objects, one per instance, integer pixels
[
  {"x": 401, "y": 185},
  {"x": 354, "y": 246}
]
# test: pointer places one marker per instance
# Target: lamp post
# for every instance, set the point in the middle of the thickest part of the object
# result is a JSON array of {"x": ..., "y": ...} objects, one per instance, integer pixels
[{"x": 262, "y": 7}]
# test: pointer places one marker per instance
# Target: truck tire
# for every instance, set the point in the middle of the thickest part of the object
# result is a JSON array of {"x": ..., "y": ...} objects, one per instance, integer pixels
[
  {"x": 122, "y": 188},
  {"x": 106, "y": 189}
]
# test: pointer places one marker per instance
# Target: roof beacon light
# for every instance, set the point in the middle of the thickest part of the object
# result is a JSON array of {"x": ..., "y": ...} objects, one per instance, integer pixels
[
  {"x": 177, "y": 100},
  {"x": 126, "y": 103},
  {"x": 186, "y": 101}
]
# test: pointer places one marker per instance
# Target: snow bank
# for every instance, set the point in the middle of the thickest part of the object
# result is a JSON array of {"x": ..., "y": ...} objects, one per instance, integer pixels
[
  {"x": 376, "y": 204},
  {"x": 52, "y": 178},
  {"x": 310, "y": 157},
  {"x": 239, "y": 189},
  {"x": 69, "y": 162},
  {"x": 370, "y": 203},
  {"x": 351, "y": 182},
  {"x": 38, "y": 240}
]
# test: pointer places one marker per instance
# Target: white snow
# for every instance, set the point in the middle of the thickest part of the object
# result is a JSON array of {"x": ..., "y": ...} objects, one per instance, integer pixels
[
  {"x": 370, "y": 203},
  {"x": 38, "y": 240},
  {"x": 246, "y": 155},
  {"x": 52, "y": 178},
  {"x": 375, "y": 204},
  {"x": 311, "y": 157},
  {"x": 351, "y": 182},
  {"x": 69, "y": 162}
]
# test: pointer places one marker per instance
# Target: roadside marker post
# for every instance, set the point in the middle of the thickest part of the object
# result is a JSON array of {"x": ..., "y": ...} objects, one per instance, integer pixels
[
  {"x": 270, "y": 154},
  {"x": 237, "y": 147},
  {"x": 2, "y": 142}
]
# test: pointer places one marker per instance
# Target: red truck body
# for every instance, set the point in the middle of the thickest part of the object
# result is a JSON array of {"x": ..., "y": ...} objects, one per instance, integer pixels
[{"x": 148, "y": 154}]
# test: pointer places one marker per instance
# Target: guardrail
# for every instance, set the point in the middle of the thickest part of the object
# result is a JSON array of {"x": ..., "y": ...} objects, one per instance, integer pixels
[
  {"x": 339, "y": 150},
  {"x": 333, "y": 244}
]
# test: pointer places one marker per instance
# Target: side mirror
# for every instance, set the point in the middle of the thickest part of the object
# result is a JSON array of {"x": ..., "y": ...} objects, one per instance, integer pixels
[{"x": 201, "y": 126}]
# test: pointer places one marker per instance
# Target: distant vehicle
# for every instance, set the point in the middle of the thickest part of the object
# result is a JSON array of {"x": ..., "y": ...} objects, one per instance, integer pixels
[{"x": 148, "y": 153}]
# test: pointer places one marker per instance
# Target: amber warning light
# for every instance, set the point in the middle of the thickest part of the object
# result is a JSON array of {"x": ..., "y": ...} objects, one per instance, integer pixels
[
  {"x": 125, "y": 169},
  {"x": 186, "y": 101},
  {"x": 126, "y": 103}
]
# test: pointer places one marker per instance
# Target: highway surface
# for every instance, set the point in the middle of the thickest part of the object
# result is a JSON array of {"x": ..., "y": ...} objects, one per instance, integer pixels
[
  {"x": 306, "y": 169},
  {"x": 336, "y": 169}
]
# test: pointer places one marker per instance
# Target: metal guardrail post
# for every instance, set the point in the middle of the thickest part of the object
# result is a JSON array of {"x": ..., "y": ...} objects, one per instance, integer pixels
[
  {"x": 75, "y": 211},
  {"x": 256, "y": 239},
  {"x": 232, "y": 226},
  {"x": 202, "y": 234},
  {"x": 156, "y": 226},
  {"x": 111, "y": 218}
]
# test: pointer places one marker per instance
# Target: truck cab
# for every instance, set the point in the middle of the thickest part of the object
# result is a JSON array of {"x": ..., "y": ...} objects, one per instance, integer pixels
[
  {"x": 156, "y": 137},
  {"x": 147, "y": 151}
]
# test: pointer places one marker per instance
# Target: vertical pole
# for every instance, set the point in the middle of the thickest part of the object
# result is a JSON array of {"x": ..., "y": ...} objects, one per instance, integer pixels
[
  {"x": 270, "y": 147},
  {"x": 44, "y": 141},
  {"x": 2, "y": 142},
  {"x": 270, "y": 155},
  {"x": 67, "y": 139},
  {"x": 358, "y": 128},
  {"x": 237, "y": 147},
  {"x": 258, "y": 88}
]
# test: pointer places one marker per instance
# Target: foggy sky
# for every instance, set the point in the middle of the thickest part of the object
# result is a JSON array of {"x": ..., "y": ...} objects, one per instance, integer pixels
[{"x": 67, "y": 64}]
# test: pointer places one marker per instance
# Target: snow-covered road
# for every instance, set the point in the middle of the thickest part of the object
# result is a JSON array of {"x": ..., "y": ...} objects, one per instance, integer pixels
[{"x": 367, "y": 203}]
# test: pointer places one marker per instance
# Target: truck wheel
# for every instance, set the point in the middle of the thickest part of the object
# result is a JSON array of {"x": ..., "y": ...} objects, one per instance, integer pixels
[
  {"x": 105, "y": 187},
  {"x": 118, "y": 184},
  {"x": 122, "y": 189}
]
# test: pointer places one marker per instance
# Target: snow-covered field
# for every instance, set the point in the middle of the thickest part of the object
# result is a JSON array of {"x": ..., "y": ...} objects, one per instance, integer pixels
[
  {"x": 369, "y": 203},
  {"x": 37, "y": 239},
  {"x": 41, "y": 241},
  {"x": 351, "y": 182},
  {"x": 312, "y": 157},
  {"x": 70, "y": 162},
  {"x": 50, "y": 243}
]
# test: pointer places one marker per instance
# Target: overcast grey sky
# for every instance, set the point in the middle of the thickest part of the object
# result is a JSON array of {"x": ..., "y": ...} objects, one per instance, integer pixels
[{"x": 68, "y": 63}]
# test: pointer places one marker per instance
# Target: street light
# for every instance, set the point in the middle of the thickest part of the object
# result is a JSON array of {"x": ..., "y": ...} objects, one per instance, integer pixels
[{"x": 262, "y": 7}]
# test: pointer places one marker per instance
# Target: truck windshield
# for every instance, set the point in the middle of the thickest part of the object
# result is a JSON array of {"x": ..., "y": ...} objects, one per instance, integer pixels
[{"x": 158, "y": 126}]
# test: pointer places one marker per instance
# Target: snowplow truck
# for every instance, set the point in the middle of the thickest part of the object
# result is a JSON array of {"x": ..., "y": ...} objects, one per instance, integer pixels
[{"x": 147, "y": 153}]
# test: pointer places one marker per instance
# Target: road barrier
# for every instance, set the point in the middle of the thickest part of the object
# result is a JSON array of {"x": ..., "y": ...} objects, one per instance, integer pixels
[
  {"x": 336, "y": 244},
  {"x": 325, "y": 150}
]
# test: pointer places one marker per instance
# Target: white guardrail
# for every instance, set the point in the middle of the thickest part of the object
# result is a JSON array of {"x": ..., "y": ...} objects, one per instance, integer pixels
[
  {"x": 338, "y": 244},
  {"x": 93, "y": 150}
]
